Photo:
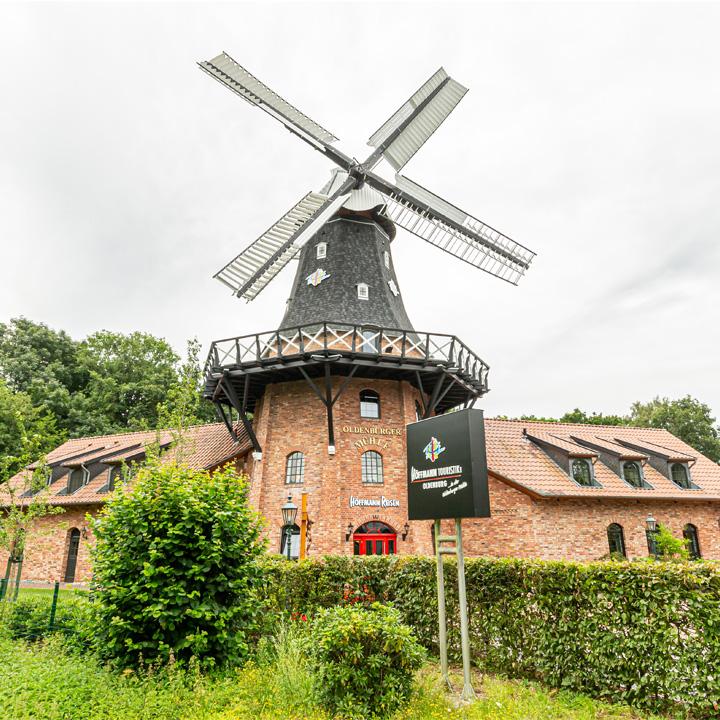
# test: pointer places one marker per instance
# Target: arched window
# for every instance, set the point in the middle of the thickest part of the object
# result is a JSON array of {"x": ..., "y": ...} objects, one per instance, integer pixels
[
  {"x": 363, "y": 291},
  {"x": 294, "y": 536},
  {"x": 690, "y": 534},
  {"x": 369, "y": 404},
  {"x": 633, "y": 474},
  {"x": 582, "y": 472},
  {"x": 72, "y": 555},
  {"x": 295, "y": 469},
  {"x": 372, "y": 468},
  {"x": 616, "y": 539},
  {"x": 76, "y": 480},
  {"x": 679, "y": 474},
  {"x": 418, "y": 414},
  {"x": 321, "y": 251}
]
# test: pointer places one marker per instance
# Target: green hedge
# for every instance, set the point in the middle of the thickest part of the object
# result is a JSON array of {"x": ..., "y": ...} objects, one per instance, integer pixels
[{"x": 644, "y": 633}]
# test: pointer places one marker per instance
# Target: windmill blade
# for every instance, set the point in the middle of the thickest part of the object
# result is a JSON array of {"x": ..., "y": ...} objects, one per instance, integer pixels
[
  {"x": 249, "y": 273},
  {"x": 440, "y": 223},
  {"x": 406, "y": 131},
  {"x": 234, "y": 76}
]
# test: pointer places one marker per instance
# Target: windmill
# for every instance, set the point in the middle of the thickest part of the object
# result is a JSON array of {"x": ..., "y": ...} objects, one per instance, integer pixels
[
  {"x": 406, "y": 203},
  {"x": 345, "y": 315}
]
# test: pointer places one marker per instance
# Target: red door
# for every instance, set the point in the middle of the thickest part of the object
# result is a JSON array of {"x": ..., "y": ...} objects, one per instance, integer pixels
[{"x": 374, "y": 538}]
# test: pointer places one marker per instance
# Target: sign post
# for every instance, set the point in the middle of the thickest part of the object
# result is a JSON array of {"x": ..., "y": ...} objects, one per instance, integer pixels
[{"x": 447, "y": 479}]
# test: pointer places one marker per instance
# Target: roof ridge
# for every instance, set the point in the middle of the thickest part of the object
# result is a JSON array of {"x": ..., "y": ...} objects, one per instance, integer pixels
[
  {"x": 138, "y": 432},
  {"x": 552, "y": 423}
]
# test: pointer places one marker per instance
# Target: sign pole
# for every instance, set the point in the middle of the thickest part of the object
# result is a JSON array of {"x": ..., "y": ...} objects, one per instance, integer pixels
[
  {"x": 468, "y": 693},
  {"x": 442, "y": 620},
  {"x": 303, "y": 525}
]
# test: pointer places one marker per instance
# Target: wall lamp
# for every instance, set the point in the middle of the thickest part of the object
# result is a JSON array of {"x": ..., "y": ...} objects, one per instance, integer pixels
[
  {"x": 406, "y": 530},
  {"x": 348, "y": 532}
]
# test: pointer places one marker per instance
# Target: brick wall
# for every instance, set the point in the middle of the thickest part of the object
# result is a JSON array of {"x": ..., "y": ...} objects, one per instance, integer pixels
[{"x": 47, "y": 547}]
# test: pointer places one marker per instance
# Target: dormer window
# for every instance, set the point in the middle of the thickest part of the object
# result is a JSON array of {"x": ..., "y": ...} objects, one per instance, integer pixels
[
  {"x": 77, "y": 478},
  {"x": 363, "y": 291},
  {"x": 633, "y": 474},
  {"x": 582, "y": 472},
  {"x": 114, "y": 477},
  {"x": 321, "y": 251},
  {"x": 680, "y": 475}
]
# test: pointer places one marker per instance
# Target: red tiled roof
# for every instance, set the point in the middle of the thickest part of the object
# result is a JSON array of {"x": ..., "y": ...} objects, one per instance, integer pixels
[
  {"x": 204, "y": 447},
  {"x": 608, "y": 446},
  {"x": 514, "y": 457}
]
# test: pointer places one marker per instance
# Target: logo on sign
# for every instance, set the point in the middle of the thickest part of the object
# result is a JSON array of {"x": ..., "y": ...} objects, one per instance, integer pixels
[{"x": 433, "y": 449}]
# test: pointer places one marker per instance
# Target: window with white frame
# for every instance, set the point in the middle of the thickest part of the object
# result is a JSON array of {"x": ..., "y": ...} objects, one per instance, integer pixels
[
  {"x": 363, "y": 291},
  {"x": 321, "y": 250},
  {"x": 386, "y": 259}
]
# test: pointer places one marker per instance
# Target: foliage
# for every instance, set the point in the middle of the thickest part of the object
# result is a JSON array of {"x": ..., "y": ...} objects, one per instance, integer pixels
[
  {"x": 579, "y": 416},
  {"x": 24, "y": 496},
  {"x": 183, "y": 406},
  {"x": 19, "y": 418},
  {"x": 175, "y": 566},
  {"x": 44, "y": 681},
  {"x": 668, "y": 547},
  {"x": 128, "y": 377},
  {"x": 285, "y": 656},
  {"x": 642, "y": 633},
  {"x": 107, "y": 383},
  {"x": 43, "y": 364},
  {"x": 687, "y": 418},
  {"x": 28, "y": 618},
  {"x": 365, "y": 659}
]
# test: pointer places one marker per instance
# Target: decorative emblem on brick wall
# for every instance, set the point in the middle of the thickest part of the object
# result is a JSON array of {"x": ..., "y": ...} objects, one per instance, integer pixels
[{"x": 317, "y": 277}]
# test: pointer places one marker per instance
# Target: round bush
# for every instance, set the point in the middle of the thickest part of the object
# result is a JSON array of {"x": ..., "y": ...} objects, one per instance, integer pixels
[
  {"x": 364, "y": 658},
  {"x": 175, "y": 567}
]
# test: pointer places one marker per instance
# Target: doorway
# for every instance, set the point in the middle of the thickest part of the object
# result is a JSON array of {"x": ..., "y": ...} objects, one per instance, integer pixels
[
  {"x": 71, "y": 563},
  {"x": 374, "y": 538}
]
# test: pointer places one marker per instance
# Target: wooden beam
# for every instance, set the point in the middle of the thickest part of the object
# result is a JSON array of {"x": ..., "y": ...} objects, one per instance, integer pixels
[
  {"x": 433, "y": 398},
  {"x": 313, "y": 385},
  {"x": 344, "y": 384},
  {"x": 235, "y": 401},
  {"x": 329, "y": 405}
]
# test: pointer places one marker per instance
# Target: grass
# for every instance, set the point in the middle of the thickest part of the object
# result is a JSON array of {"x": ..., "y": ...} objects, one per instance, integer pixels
[{"x": 44, "y": 681}]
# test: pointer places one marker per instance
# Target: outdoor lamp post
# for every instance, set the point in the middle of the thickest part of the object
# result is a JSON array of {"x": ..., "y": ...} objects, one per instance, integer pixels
[
  {"x": 289, "y": 513},
  {"x": 652, "y": 526}
]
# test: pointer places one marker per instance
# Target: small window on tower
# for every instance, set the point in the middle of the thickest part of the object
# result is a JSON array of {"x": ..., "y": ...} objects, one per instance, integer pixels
[
  {"x": 363, "y": 291},
  {"x": 386, "y": 259},
  {"x": 321, "y": 250},
  {"x": 369, "y": 404}
]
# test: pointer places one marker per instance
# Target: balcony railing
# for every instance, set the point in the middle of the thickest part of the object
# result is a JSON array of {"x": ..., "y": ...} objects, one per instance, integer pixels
[{"x": 361, "y": 341}]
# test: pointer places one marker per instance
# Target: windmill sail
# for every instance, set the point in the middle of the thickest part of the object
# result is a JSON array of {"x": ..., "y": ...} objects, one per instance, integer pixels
[
  {"x": 408, "y": 129},
  {"x": 440, "y": 223},
  {"x": 234, "y": 76},
  {"x": 248, "y": 273}
]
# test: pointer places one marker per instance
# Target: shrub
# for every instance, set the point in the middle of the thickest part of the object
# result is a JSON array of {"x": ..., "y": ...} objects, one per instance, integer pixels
[
  {"x": 365, "y": 658},
  {"x": 175, "y": 567},
  {"x": 643, "y": 633},
  {"x": 28, "y": 618}
]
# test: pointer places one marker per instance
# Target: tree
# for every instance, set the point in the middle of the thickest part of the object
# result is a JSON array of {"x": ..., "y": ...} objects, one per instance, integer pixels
[
  {"x": 128, "y": 377},
  {"x": 24, "y": 496},
  {"x": 686, "y": 418},
  {"x": 175, "y": 566},
  {"x": 20, "y": 419},
  {"x": 183, "y": 405},
  {"x": 580, "y": 416},
  {"x": 43, "y": 364}
]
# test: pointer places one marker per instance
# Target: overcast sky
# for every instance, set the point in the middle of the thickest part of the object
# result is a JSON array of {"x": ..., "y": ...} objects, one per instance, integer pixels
[{"x": 591, "y": 134}]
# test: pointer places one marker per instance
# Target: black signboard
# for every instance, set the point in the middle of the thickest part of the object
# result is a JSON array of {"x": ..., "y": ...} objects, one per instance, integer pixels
[{"x": 447, "y": 467}]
